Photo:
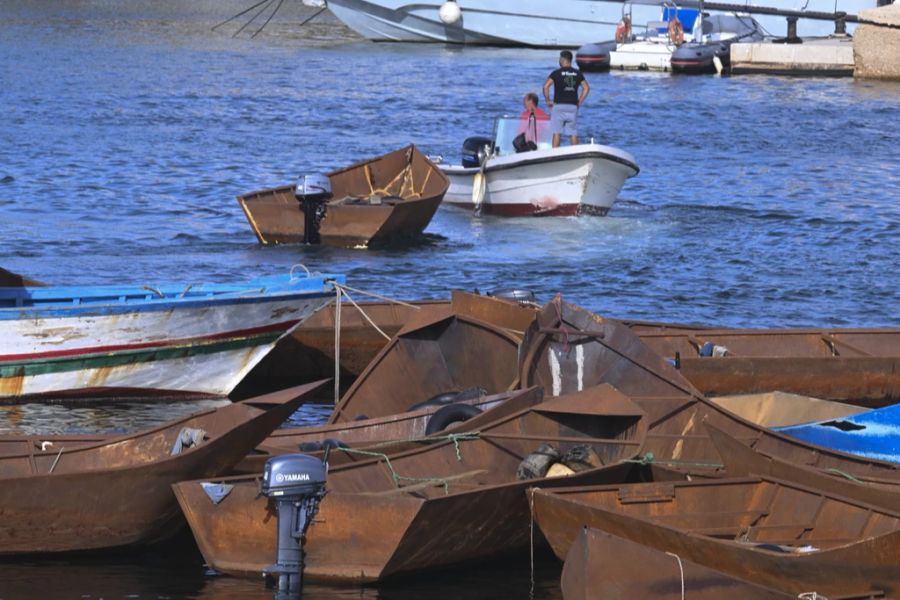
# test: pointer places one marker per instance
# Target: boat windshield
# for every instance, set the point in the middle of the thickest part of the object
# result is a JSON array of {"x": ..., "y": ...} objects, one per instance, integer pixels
[{"x": 506, "y": 128}]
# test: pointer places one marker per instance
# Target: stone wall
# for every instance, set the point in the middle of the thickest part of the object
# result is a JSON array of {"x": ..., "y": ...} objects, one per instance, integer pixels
[{"x": 876, "y": 43}]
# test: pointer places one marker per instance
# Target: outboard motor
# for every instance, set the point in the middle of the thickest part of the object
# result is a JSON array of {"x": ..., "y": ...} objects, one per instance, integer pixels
[
  {"x": 475, "y": 149},
  {"x": 312, "y": 192},
  {"x": 296, "y": 483}
]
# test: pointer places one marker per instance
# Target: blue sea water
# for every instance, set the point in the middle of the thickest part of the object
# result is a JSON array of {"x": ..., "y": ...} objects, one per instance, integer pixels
[{"x": 127, "y": 129}]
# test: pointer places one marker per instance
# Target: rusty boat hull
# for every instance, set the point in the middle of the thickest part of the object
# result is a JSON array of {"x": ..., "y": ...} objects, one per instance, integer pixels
[
  {"x": 602, "y": 565},
  {"x": 771, "y": 532},
  {"x": 432, "y": 355},
  {"x": 391, "y": 434},
  {"x": 307, "y": 353},
  {"x": 568, "y": 348},
  {"x": 454, "y": 501},
  {"x": 117, "y": 493},
  {"x": 859, "y": 366},
  {"x": 374, "y": 201}
]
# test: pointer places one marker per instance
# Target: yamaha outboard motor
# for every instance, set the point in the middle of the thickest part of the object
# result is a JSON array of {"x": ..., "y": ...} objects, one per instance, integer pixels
[
  {"x": 312, "y": 192},
  {"x": 296, "y": 483},
  {"x": 475, "y": 149}
]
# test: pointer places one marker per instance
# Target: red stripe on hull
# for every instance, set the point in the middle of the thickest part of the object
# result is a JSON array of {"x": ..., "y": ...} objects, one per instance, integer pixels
[
  {"x": 529, "y": 210},
  {"x": 284, "y": 326}
]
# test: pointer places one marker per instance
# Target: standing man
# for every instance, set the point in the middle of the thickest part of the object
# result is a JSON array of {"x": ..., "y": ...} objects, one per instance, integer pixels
[{"x": 570, "y": 88}]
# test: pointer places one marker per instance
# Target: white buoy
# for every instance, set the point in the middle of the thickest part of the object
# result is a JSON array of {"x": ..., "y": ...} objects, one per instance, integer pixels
[
  {"x": 717, "y": 62},
  {"x": 450, "y": 12}
]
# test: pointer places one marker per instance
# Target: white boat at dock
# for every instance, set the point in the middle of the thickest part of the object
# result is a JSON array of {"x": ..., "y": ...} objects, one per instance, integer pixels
[
  {"x": 564, "y": 181},
  {"x": 653, "y": 49},
  {"x": 538, "y": 23}
]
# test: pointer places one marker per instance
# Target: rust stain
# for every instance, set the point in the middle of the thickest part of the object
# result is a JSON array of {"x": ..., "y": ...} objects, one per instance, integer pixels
[
  {"x": 99, "y": 376},
  {"x": 12, "y": 386}
]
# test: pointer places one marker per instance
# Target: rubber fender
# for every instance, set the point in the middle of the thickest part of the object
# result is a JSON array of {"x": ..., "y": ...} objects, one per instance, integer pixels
[
  {"x": 436, "y": 400},
  {"x": 452, "y": 413},
  {"x": 310, "y": 446}
]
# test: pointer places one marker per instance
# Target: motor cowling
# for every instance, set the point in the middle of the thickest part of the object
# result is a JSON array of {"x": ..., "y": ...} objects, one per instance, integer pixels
[
  {"x": 296, "y": 483},
  {"x": 313, "y": 187},
  {"x": 475, "y": 149}
]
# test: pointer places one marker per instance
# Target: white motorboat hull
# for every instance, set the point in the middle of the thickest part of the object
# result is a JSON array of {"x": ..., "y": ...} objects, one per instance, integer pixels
[
  {"x": 642, "y": 56},
  {"x": 571, "y": 180},
  {"x": 564, "y": 23}
]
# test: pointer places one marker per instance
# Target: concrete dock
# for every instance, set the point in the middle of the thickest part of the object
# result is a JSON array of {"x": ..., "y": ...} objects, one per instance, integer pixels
[
  {"x": 830, "y": 56},
  {"x": 876, "y": 43}
]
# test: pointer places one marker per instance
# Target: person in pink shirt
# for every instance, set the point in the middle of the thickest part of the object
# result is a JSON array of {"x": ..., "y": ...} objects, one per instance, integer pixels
[{"x": 532, "y": 118}]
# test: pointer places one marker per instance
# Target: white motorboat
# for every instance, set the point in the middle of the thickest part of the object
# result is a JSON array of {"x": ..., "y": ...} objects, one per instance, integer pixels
[
  {"x": 652, "y": 50},
  {"x": 564, "y": 181},
  {"x": 538, "y": 23}
]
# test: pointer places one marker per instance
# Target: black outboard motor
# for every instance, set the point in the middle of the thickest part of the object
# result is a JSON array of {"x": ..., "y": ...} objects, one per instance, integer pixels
[
  {"x": 296, "y": 483},
  {"x": 312, "y": 192},
  {"x": 475, "y": 149}
]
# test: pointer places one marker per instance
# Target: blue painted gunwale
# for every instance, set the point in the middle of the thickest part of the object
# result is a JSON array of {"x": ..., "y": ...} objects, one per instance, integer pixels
[
  {"x": 20, "y": 303},
  {"x": 872, "y": 434}
]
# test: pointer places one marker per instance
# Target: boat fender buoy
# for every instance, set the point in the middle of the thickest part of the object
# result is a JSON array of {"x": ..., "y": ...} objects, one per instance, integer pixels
[
  {"x": 536, "y": 464},
  {"x": 436, "y": 400},
  {"x": 450, "y": 13},
  {"x": 309, "y": 446},
  {"x": 447, "y": 415}
]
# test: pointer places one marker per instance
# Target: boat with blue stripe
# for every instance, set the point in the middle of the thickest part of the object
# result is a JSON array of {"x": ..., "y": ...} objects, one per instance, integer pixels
[{"x": 171, "y": 340}]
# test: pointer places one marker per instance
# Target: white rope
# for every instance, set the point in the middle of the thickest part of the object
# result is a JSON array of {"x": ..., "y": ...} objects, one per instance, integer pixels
[
  {"x": 531, "y": 533},
  {"x": 337, "y": 344},
  {"x": 302, "y": 266},
  {"x": 363, "y": 313},
  {"x": 681, "y": 569},
  {"x": 374, "y": 295}
]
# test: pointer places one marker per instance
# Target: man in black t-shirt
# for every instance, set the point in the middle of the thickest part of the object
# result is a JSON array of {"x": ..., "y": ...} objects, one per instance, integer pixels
[{"x": 570, "y": 88}]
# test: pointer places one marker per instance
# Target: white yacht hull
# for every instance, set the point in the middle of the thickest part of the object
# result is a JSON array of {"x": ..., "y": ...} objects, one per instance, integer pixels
[
  {"x": 538, "y": 23},
  {"x": 571, "y": 180}
]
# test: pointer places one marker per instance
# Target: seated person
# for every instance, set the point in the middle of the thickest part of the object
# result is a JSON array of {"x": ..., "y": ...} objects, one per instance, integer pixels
[{"x": 528, "y": 128}]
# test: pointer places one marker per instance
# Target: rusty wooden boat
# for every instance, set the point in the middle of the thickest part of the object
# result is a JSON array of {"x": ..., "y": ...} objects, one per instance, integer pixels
[
  {"x": 394, "y": 433},
  {"x": 454, "y": 501},
  {"x": 434, "y": 354},
  {"x": 117, "y": 493},
  {"x": 772, "y": 532},
  {"x": 860, "y": 366},
  {"x": 602, "y": 565},
  {"x": 372, "y": 202},
  {"x": 308, "y": 352},
  {"x": 740, "y": 460},
  {"x": 10, "y": 279},
  {"x": 568, "y": 348}
]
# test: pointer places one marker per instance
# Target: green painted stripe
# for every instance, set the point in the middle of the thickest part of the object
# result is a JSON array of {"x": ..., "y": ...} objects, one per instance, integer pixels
[{"x": 82, "y": 362}]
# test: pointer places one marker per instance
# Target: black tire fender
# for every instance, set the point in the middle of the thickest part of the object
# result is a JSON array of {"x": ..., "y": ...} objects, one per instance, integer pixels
[
  {"x": 452, "y": 413},
  {"x": 436, "y": 400}
]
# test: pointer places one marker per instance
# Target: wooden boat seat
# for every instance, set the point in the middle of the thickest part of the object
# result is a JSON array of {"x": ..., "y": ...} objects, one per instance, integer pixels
[{"x": 373, "y": 200}]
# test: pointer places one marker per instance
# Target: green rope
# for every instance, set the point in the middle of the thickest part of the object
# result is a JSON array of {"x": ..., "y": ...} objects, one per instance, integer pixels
[
  {"x": 397, "y": 478},
  {"x": 842, "y": 473},
  {"x": 649, "y": 458}
]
